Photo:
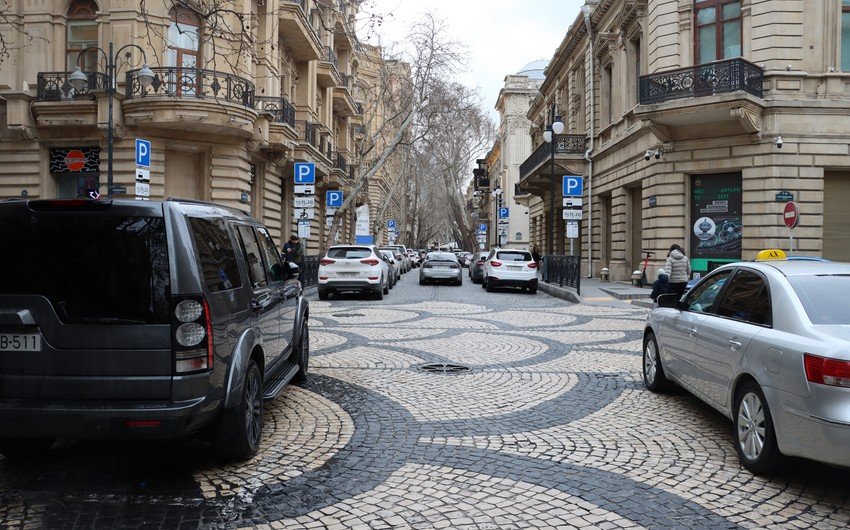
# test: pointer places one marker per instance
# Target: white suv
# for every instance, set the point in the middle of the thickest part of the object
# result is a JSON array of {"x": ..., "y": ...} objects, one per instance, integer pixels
[
  {"x": 510, "y": 268},
  {"x": 353, "y": 268}
]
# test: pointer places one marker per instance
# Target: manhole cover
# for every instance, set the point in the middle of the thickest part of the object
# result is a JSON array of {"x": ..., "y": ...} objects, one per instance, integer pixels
[
  {"x": 343, "y": 315},
  {"x": 444, "y": 368}
]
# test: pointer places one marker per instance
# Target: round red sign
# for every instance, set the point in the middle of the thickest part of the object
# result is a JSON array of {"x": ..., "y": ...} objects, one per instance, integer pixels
[
  {"x": 790, "y": 215},
  {"x": 75, "y": 160}
]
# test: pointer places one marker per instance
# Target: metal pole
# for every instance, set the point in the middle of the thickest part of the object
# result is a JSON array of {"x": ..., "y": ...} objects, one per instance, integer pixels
[{"x": 110, "y": 93}]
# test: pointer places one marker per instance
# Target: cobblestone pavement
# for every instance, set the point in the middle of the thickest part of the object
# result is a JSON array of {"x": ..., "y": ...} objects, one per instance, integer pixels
[{"x": 550, "y": 427}]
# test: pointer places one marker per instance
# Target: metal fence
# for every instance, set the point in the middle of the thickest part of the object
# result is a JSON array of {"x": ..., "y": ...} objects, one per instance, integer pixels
[
  {"x": 727, "y": 75},
  {"x": 563, "y": 270},
  {"x": 310, "y": 271}
]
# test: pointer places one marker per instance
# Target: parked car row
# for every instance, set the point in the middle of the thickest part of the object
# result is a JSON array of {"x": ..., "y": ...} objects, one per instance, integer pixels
[{"x": 364, "y": 269}]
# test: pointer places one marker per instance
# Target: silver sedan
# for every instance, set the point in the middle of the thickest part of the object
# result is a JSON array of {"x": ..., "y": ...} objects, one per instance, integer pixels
[
  {"x": 767, "y": 343},
  {"x": 440, "y": 266}
]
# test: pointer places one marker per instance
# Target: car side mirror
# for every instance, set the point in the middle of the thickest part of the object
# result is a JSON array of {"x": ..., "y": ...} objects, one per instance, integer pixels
[
  {"x": 276, "y": 273},
  {"x": 670, "y": 300},
  {"x": 293, "y": 270}
]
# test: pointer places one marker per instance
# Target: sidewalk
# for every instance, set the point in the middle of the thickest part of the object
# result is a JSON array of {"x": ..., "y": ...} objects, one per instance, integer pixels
[{"x": 597, "y": 292}]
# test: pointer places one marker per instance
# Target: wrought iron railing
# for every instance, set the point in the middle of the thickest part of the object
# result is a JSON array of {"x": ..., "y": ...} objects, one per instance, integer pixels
[
  {"x": 179, "y": 82},
  {"x": 330, "y": 56},
  {"x": 307, "y": 131},
  {"x": 279, "y": 107},
  {"x": 340, "y": 162},
  {"x": 518, "y": 190},
  {"x": 351, "y": 172},
  {"x": 359, "y": 108},
  {"x": 310, "y": 271},
  {"x": 345, "y": 81},
  {"x": 299, "y": 2},
  {"x": 563, "y": 270},
  {"x": 564, "y": 144},
  {"x": 329, "y": 152},
  {"x": 728, "y": 75},
  {"x": 54, "y": 86}
]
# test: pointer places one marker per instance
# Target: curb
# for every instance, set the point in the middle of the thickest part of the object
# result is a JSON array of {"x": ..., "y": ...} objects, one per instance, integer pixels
[{"x": 564, "y": 293}]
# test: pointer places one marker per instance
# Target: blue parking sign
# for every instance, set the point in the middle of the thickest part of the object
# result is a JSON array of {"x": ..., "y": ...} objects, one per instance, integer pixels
[
  {"x": 305, "y": 173},
  {"x": 143, "y": 153},
  {"x": 482, "y": 228},
  {"x": 391, "y": 224},
  {"x": 503, "y": 213},
  {"x": 573, "y": 185},
  {"x": 333, "y": 199}
]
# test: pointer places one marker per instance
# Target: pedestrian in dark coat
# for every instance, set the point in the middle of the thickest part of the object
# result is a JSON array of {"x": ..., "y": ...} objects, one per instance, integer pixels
[{"x": 661, "y": 284}]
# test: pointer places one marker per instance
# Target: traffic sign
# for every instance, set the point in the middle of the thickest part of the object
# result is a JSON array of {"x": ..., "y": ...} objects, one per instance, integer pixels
[
  {"x": 143, "y": 152},
  {"x": 572, "y": 229},
  {"x": 303, "y": 228},
  {"x": 304, "y": 213},
  {"x": 572, "y": 215},
  {"x": 573, "y": 185},
  {"x": 333, "y": 198},
  {"x": 572, "y": 202},
  {"x": 391, "y": 224},
  {"x": 503, "y": 213},
  {"x": 482, "y": 228},
  {"x": 305, "y": 202},
  {"x": 305, "y": 189},
  {"x": 143, "y": 189},
  {"x": 791, "y": 215},
  {"x": 143, "y": 175},
  {"x": 305, "y": 173}
]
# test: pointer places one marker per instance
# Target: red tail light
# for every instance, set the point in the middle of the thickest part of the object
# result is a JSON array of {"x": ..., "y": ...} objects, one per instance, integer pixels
[
  {"x": 496, "y": 263},
  {"x": 327, "y": 261},
  {"x": 192, "y": 334},
  {"x": 823, "y": 371},
  {"x": 480, "y": 263},
  {"x": 532, "y": 265},
  {"x": 208, "y": 318},
  {"x": 371, "y": 262},
  {"x": 141, "y": 424}
]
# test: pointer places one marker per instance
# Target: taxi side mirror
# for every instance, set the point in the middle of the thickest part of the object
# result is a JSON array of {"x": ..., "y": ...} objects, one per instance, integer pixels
[{"x": 670, "y": 300}]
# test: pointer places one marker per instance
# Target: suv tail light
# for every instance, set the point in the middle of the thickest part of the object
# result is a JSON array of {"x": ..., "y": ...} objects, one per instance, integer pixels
[
  {"x": 327, "y": 261},
  {"x": 495, "y": 263},
  {"x": 371, "y": 262},
  {"x": 532, "y": 265},
  {"x": 823, "y": 371},
  {"x": 192, "y": 337}
]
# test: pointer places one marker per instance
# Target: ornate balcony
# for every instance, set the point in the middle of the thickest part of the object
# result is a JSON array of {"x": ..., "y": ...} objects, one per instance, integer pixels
[
  {"x": 54, "y": 86},
  {"x": 58, "y": 104},
  {"x": 191, "y": 99},
  {"x": 569, "y": 149},
  {"x": 299, "y": 35},
  {"x": 327, "y": 72},
  {"x": 714, "y": 99},
  {"x": 281, "y": 109}
]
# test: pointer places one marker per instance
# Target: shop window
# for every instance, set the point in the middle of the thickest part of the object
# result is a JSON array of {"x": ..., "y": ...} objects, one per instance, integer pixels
[
  {"x": 718, "y": 30},
  {"x": 845, "y": 36},
  {"x": 183, "y": 46},
  {"x": 81, "y": 33}
]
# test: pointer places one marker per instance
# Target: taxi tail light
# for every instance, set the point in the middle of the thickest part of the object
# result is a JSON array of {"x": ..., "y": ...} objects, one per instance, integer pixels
[
  {"x": 495, "y": 263},
  {"x": 532, "y": 265},
  {"x": 371, "y": 262},
  {"x": 824, "y": 371},
  {"x": 327, "y": 261}
]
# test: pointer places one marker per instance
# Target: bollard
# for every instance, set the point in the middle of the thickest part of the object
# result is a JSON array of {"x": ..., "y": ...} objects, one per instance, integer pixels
[{"x": 605, "y": 275}]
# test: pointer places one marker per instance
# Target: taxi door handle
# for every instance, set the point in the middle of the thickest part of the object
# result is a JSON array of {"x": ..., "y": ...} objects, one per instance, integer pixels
[{"x": 691, "y": 331}]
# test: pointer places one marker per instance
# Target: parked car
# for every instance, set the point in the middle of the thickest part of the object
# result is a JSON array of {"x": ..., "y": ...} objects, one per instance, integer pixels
[
  {"x": 414, "y": 257},
  {"x": 154, "y": 319},
  {"x": 694, "y": 281},
  {"x": 406, "y": 264},
  {"x": 510, "y": 268},
  {"x": 356, "y": 268},
  {"x": 394, "y": 266},
  {"x": 440, "y": 266},
  {"x": 476, "y": 266},
  {"x": 766, "y": 344},
  {"x": 464, "y": 258}
]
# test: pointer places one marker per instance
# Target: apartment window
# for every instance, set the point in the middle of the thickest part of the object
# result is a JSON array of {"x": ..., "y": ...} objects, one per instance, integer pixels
[
  {"x": 81, "y": 34},
  {"x": 182, "y": 51},
  {"x": 608, "y": 74},
  {"x": 845, "y": 36},
  {"x": 718, "y": 24},
  {"x": 636, "y": 55}
]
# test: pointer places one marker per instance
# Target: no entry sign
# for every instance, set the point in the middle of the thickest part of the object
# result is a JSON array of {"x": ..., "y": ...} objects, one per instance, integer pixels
[{"x": 790, "y": 215}]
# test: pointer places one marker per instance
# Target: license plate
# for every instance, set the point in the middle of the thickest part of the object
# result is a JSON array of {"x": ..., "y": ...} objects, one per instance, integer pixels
[
  {"x": 347, "y": 274},
  {"x": 20, "y": 342},
  {"x": 514, "y": 268}
]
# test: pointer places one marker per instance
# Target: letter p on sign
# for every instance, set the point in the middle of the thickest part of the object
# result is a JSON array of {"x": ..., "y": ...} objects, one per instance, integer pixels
[{"x": 305, "y": 173}]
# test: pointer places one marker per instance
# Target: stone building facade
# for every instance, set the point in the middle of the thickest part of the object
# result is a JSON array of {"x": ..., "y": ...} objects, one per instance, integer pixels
[
  {"x": 693, "y": 122},
  {"x": 238, "y": 97}
]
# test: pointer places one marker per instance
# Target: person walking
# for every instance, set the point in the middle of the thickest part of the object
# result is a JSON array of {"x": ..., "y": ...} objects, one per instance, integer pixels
[
  {"x": 678, "y": 268},
  {"x": 293, "y": 250}
]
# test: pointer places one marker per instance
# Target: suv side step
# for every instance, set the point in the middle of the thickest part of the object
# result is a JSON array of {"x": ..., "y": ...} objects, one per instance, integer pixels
[{"x": 275, "y": 385}]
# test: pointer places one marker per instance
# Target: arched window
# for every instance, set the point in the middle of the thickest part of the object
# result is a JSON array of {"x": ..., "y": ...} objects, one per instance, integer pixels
[
  {"x": 81, "y": 34},
  {"x": 183, "y": 49}
]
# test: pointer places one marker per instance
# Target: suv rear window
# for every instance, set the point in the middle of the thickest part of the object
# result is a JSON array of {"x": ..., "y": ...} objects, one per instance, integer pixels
[
  {"x": 349, "y": 253},
  {"x": 93, "y": 268},
  {"x": 824, "y": 297},
  {"x": 513, "y": 256},
  {"x": 215, "y": 253}
]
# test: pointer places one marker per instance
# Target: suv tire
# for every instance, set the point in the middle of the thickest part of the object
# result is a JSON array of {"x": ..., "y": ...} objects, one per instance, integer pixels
[
  {"x": 379, "y": 294},
  {"x": 303, "y": 353},
  {"x": 247, "y": 417},
  {"x": 323, "y": 294}
]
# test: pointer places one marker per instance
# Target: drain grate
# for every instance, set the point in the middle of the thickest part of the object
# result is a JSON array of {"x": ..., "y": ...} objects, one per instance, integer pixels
[
  {"x": 444, "y": 368},
  {"x": 343, "y": 315}
]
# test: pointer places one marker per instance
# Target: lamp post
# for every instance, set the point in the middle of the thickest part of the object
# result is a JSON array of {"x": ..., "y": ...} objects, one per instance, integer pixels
[
  {"x": 497, "y": 199},
  {"x": 79, "y": 80},
  {"x": 549, "y": 135}
]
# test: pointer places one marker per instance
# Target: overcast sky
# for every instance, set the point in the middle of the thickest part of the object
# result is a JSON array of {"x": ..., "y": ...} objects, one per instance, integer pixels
[{"x": 501, "y": 36}]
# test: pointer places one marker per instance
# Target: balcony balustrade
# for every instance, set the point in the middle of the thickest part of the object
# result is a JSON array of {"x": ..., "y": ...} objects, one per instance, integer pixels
[
  {"x": 54, "y": 86},
  {"x": 728, "y": 75},
  {"x": 180, "y": 82},
  {"x": 330, "y": 56},
  {"x": 306, "y": 131},
  {"x": 340, "y": 162},
  {"x": 563, "y": 144},
  {"x": 279, "y": 107}
]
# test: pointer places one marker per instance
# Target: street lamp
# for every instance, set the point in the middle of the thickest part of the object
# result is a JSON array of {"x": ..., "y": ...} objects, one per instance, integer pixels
[
  {"x": 79, "y": 80},
  {"x": 556, "y": 127},
  {"x": 497, "y": 232}
]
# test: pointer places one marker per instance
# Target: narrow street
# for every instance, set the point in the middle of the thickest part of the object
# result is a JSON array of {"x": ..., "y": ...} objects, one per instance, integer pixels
[{"x": 544, "y": 422}]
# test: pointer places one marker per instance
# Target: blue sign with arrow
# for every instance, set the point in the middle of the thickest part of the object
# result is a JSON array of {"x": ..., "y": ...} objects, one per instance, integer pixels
[{"x": 573, "y": 185}]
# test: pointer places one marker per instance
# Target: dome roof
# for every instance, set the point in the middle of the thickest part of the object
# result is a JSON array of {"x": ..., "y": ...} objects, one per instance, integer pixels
[{"x": 534, "y": 69}]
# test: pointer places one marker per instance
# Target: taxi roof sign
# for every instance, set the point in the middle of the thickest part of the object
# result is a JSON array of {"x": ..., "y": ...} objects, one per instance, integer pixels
[{"x": 773, "y": 254}]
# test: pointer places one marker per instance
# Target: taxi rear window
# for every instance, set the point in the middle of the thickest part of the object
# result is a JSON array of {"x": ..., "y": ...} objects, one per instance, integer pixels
[{"x": 824, "y": 297}]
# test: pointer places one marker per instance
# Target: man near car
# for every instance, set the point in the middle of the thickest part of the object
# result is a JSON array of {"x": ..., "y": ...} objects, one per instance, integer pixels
[{"x": 293, "y": 251}]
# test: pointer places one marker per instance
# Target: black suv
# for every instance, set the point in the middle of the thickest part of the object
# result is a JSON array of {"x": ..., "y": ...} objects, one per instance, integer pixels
[{"x": 127, "y": 318}]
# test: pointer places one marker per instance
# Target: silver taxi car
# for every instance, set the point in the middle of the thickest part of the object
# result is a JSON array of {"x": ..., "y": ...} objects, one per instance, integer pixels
[{"x": 767, "y": 343}]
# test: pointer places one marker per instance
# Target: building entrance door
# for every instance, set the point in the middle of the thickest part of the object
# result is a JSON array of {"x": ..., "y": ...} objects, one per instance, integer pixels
[{"x": 836, "y": 222}]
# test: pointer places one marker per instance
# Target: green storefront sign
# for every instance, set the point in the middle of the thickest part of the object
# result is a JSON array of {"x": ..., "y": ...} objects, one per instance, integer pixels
[{"x": 716, "y": 208}]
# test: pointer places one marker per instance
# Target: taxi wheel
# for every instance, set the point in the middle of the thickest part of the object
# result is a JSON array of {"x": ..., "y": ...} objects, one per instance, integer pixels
[
  {"x": 752, "y": 428},
  {"x": 653, "y": 372}
]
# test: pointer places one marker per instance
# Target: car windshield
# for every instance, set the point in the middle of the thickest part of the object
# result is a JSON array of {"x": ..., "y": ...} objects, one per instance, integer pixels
[
  {"x": 513, "y": 256},
  {"x": 824, "y": 297},
  {"x": 441, "y": 256},
  {"x": 94, "y": 269},
  {"x": 349, "y": 253}
]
